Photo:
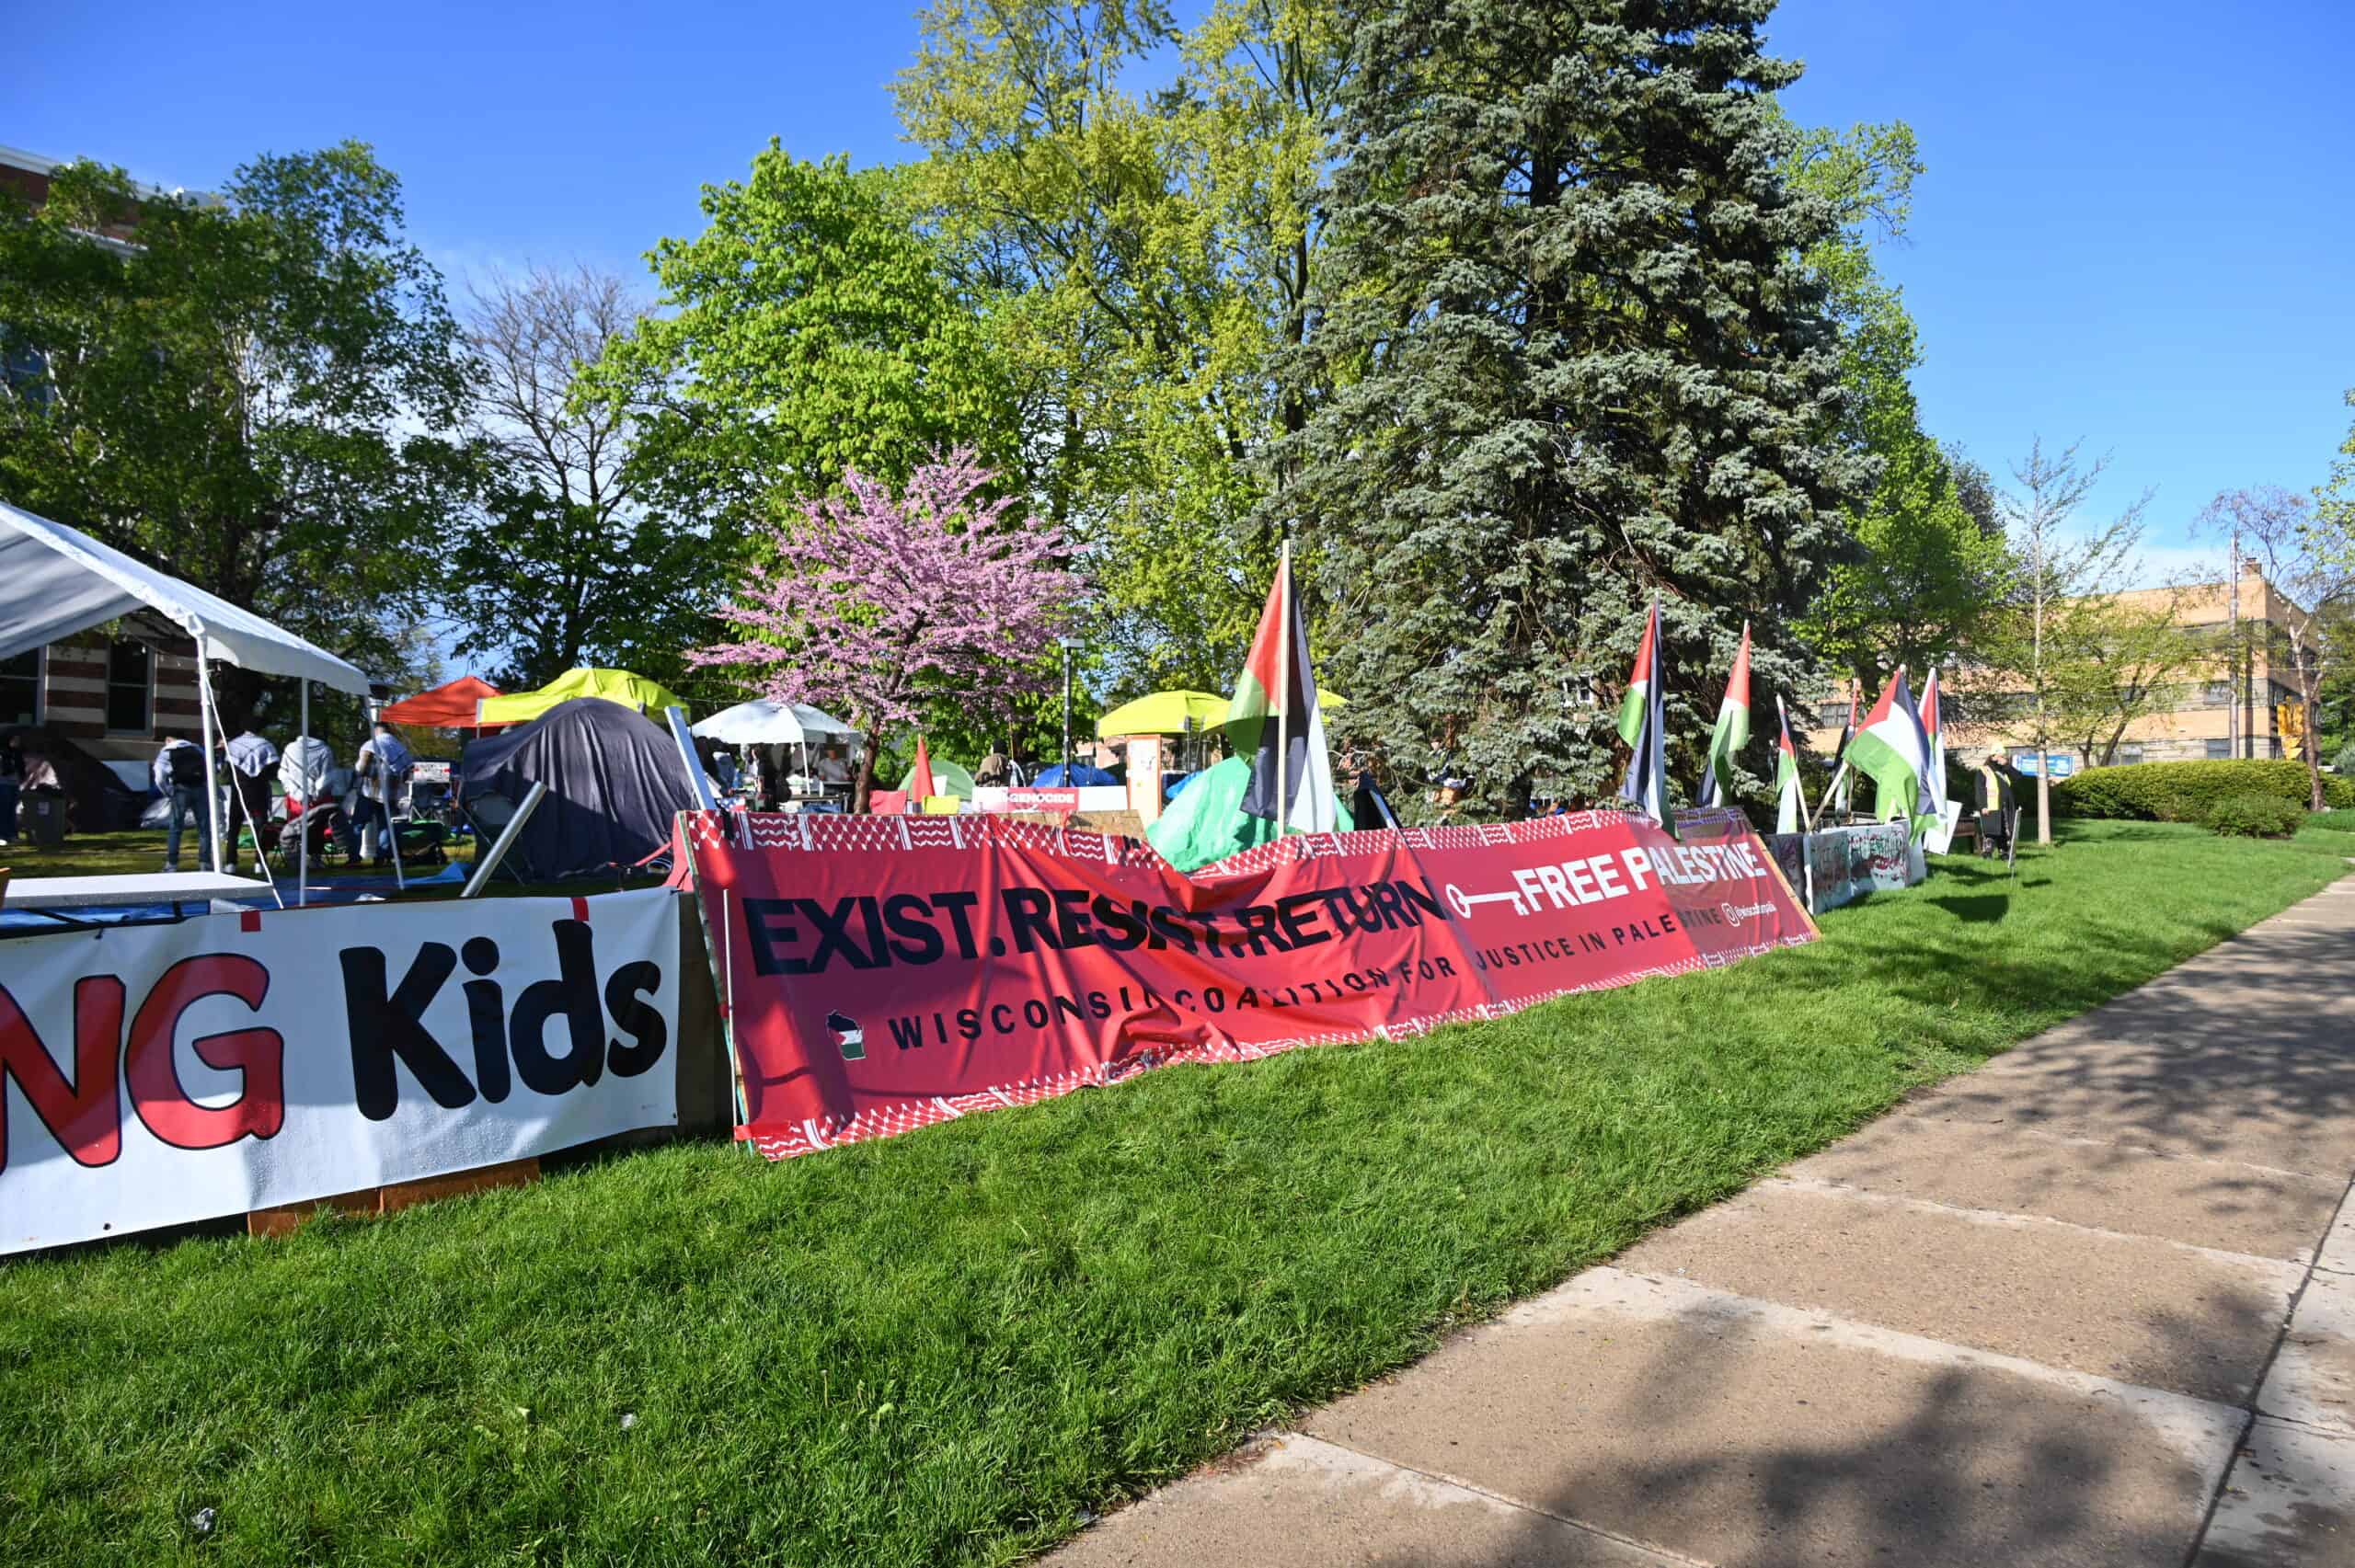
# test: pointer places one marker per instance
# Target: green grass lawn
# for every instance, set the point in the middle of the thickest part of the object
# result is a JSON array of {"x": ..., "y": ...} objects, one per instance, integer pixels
[
  {"x": 942, "y": 1347},
  {"x": 140, "y": 850}
]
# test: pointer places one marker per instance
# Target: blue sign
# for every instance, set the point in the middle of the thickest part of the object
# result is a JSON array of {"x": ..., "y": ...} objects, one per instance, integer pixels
[{"x": 2060, "y": 763}]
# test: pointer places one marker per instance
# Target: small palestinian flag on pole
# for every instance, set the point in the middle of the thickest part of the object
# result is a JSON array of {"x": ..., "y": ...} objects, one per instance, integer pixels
[
  {"x": 1790, "y": 810},
  {"x": 1733, "y": 728},
  {"x": 1642, "y": 727},
  {"x": 1274, "y": 720},
  {"x": 1893, "y": 750},
  {"x": 1934, "y": 725}
]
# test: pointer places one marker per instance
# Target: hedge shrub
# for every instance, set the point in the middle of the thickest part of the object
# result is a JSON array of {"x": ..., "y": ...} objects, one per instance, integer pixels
[
  {"x": 2254, "y": 816},
  {"x": 2182, "y": 792},
  {"x": 2343, "y": 819}
]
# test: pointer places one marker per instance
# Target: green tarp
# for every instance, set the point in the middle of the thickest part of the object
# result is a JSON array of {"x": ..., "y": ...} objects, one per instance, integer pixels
[{"x": 1206, "y": 821}]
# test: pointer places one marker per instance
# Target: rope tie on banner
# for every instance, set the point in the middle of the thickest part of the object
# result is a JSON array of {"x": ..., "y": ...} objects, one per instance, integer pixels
[{"x": 907, "y": 837}]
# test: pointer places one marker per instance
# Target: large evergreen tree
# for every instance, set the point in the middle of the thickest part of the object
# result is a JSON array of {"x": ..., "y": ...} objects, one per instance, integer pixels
[{"x": 1578, "y": 360}]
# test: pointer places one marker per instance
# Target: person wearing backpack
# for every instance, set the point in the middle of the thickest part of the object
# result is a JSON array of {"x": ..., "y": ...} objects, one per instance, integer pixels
[
  {"x": 179, "y": 773},
  {"x": 382, "y": 766}
]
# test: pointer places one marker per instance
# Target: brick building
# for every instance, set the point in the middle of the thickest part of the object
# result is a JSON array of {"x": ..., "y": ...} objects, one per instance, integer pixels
[{"x": 2195, "y": 718}]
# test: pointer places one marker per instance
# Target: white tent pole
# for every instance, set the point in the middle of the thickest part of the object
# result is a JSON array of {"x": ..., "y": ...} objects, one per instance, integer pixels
[
  {"x": 204, "y": 725},
  {"x": 302, "y": 807}
]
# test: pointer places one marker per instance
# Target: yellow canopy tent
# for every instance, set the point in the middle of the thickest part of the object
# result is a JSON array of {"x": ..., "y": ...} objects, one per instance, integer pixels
[
  {"x": 1165, "y": 713},
  {"x": 634, "y": 692}
]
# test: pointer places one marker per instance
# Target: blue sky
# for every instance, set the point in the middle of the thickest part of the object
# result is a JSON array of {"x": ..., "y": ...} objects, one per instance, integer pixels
[{"x": 2137, "y": 227}]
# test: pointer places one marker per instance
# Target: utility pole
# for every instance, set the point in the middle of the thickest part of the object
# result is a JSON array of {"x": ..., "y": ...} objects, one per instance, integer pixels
[
  {"x": 2233, "y": 651},
  {"x": 1068, "y": 643},
  {"x": 2043, "y": 755}
]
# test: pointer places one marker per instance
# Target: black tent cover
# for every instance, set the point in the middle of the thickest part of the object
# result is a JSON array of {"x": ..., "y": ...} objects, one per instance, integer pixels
[
  {"x": 97, "y": 801},
  {"x": 615, "y": 783}
]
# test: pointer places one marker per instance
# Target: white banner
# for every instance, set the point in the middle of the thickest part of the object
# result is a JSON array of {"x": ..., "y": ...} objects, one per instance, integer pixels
[{"x": 160, "y": 1074}]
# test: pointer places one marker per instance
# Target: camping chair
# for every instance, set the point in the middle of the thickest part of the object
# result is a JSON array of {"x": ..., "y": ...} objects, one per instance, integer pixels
[{"x": 487, "y": 814}]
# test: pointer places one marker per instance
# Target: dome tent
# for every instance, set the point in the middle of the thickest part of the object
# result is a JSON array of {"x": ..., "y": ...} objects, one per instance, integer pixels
[{"x": 616, "y": 780}]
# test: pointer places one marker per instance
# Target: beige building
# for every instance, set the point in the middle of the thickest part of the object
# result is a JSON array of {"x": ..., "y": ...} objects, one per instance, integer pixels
[{"x": 2212, "y": 711}]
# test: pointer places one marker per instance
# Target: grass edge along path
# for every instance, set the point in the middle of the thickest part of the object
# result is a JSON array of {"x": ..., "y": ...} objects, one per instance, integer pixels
[{"x": 947, "y": 1346}]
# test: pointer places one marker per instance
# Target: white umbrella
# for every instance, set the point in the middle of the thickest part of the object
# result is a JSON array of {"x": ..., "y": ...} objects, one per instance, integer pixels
[{"x": 762, "y": 723}]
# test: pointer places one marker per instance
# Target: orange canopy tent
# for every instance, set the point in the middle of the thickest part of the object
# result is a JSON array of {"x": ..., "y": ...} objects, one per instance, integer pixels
[{"x": 444, "y": 707}]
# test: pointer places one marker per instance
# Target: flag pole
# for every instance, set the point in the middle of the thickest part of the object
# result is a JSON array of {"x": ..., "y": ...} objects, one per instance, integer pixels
[{"x": 1283, "y": 689}]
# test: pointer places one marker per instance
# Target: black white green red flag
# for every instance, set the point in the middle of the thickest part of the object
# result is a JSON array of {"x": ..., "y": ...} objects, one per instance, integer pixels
[
  {"x": 1276, "y": 696},
  {"x": 1732, "y": 732},
  {"x": 1642, "y": 727},
  {"x": 1893, "y": 750},
  {"x": 1934, "y": 723},
  {"x": 1788, "y": 814}
]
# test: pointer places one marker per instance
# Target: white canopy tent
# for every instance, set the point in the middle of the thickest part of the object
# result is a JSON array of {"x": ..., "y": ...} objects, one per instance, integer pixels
[
  {"x": 55, "y": 581},
  {"x": 762, "y": 723}
]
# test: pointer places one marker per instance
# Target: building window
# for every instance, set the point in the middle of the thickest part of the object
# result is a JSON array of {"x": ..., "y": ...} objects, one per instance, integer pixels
[
  {"x": 130, "y": 688},
  {"x": 20, "y": 688},
  {"x": 2128, "y": 754},
  {"x": 2220, "y": 694},
  {"x": 2220, "y": 750}
]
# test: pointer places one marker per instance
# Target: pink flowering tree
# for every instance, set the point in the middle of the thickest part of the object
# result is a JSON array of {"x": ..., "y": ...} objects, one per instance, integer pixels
[{"x": 876, "y": 602}]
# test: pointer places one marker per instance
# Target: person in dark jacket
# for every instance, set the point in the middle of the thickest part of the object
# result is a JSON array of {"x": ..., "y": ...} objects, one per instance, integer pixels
[
  {"x": 12, "y": 778},
  {"x": 1996, "y": 801}
]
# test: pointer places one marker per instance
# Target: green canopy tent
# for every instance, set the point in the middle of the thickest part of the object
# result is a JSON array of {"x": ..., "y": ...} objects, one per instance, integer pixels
[{"x": 947, "y": 778}]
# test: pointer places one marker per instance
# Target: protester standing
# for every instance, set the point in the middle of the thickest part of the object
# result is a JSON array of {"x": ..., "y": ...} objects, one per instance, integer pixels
[
  {"x": 178, "y": 775},
  {"x": 12, "y": 778},
  {"x": 1997, "y": 803},
  {"x": 251, "y": 757},
  {"x": 382, "y": 763}
]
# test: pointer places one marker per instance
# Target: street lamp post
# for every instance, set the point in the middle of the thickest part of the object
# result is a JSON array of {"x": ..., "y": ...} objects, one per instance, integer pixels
[{"x": 1068, "y": 644}]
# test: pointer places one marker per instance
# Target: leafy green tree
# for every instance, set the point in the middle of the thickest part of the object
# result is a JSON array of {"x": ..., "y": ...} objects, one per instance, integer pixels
[
  {"x": 807, "y": 331},
  {"x": 258, "y": 395},
  {"x": 1930, "y": 561},
  {"x": 2042, "y": 659},
  {"x": 2115, "y": 659},
  {"x": 1148, "y": 257},
  {"x": 561, "y": 564},
  {"x": 1578, "y": 358}
]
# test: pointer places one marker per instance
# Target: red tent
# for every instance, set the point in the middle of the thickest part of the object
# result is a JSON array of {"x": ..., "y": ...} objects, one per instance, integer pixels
[{"x": 444, "y": 707}]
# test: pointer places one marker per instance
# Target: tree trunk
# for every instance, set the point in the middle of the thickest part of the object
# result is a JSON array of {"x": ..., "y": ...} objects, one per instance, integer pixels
[
  {"x": 2308, "y": 692},
  {"x": 864, "y": 789}
]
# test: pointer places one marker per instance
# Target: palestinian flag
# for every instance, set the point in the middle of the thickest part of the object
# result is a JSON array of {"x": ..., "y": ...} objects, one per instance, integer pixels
[
  {"x": 1643, "y": 728},
  {"x": 1276, "y": 695},
  {"x": 1787, "y": 815},
  {"x": 1934, "y": 725},
  {"x": 1893, "y": 750},
  {"x": 1640, "y": 686},
  {"x": 1733, "y": 728}
]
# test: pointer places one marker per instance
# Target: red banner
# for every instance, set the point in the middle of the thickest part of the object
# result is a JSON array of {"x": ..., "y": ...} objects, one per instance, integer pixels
[{"x": 880, "y": 974}]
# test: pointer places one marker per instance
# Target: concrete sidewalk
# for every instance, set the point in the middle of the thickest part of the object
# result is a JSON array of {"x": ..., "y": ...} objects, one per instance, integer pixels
[{"x": 2094, "y": 1303}]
